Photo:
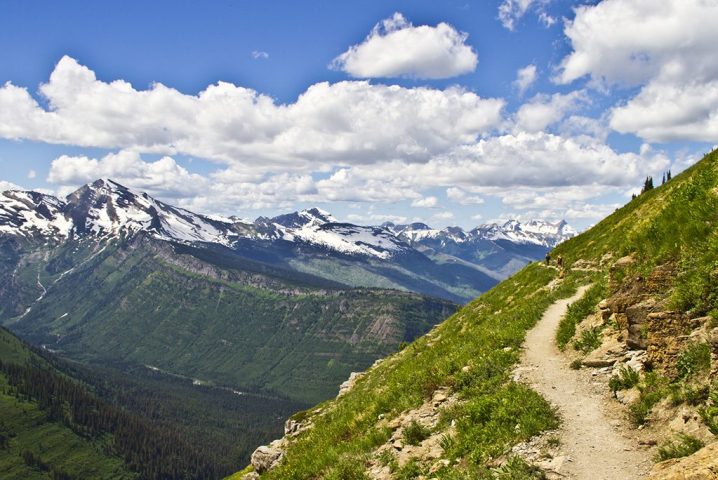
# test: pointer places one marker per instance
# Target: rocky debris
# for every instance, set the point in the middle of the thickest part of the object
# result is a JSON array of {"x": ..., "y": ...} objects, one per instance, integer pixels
[
  {"x": 267, "y": 457},
  {"x": 585, "y": 265},
  {"x": 293, "y": 427},
  {"x": 428, "y": 451},
  {"x": 701, "y": 465},
  {"x": 542, "y": 451},
  {"x": 250, "y": 476},
  {"x": 345, "y": 387}
]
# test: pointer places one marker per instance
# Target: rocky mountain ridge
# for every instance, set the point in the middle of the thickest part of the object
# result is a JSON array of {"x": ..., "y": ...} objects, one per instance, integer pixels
[{"x": 106, "y": 208}]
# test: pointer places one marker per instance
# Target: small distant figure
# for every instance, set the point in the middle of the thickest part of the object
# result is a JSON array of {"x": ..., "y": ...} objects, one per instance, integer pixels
[
  {"x": 548, "y": 259},
  {"x": 559, "y": 261}
]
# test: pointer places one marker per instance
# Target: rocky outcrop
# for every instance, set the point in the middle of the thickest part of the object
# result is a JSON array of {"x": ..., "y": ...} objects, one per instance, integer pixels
[
  {"x": 428, "y": 451},
  {"x": 701, "y": 465},
  {"x": 345, "y": 387},
  {"x": 267, "y": 457},
  {"x": 668, "y": 335}
]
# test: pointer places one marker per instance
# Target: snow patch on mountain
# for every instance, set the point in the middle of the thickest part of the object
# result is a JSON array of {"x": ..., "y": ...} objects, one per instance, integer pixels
[{"x": 106, "y": 209}]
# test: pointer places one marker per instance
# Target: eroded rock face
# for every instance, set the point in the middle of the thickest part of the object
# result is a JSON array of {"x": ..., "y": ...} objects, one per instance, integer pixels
[
  {"x": 266, "y": 457},
  {"x": 700, "y": 466},
  {"x": 668, "y": 335},
  {"x": 636, "y": 319}
]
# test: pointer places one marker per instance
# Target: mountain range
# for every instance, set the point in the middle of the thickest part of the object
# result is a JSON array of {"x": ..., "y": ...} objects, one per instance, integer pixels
[
  {"x": 161, "y": 304},
  {"x": 449, "y": 263}
]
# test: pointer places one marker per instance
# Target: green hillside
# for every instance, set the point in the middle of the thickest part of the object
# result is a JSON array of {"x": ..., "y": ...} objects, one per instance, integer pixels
[
  {"x": 35, "y": 446},
  {"x": 470, "y": 356},
  {"x": 141, "y": 305}
]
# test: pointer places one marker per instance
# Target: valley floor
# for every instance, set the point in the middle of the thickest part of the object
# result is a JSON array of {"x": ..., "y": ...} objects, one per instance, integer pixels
[{"x": 593, "y": 444}]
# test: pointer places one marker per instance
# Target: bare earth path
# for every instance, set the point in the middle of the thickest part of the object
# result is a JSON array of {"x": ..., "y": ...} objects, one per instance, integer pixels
[{"x": 595, "y": 448}]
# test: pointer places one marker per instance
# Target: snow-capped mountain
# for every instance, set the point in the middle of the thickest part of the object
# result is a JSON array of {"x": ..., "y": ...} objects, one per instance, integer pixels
[
  {"x": 534, "y": 232},
  {"x": 105, "y": 209},
  {"x": 415, "y": 256}
]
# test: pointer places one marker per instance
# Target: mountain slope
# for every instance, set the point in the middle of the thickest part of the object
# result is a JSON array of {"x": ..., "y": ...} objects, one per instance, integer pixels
[
  {"x": 450, "y": 263},
  {"x": 447, "y": 404},
  {"x": 53, "y": 427},
  {"x": 143, "y": 303}
]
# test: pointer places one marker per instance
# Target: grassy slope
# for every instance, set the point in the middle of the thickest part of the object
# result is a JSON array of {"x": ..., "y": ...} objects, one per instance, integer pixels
[
  {"x": 27, "y": 429},
  {"x": 675, "y": 223},
  {"x": 131, "y": 307}
]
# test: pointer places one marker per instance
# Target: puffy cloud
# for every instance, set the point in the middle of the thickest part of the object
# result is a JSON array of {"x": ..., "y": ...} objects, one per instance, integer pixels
[
  {"x": 525, "y": 77},
  {"x": 259, "y": 55},
  {"x": 31, "y": 174},
  {"x": 396, "y": 48},
  {"x": 425, "y": 202},
  {"x": 545, "y": 110},
  {"x": 667, "y": 48},
  {"x": 511, "y": 11},
  {"x": 162, "y": 177},
  {"x": 634, "y": 41},
  {"x": 462, "y": 197},
  {"x": 331, "y": 124},
  {"x": 443, "y": 216},
  {"x": 665, "y": 112}
]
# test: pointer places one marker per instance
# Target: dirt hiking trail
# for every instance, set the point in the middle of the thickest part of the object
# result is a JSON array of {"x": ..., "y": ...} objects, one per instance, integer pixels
[{"x": 594, "y": 446}]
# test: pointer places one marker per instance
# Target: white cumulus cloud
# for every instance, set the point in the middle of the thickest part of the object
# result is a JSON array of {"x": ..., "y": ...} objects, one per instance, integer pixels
[
  {"x": 525, "y": 77},
  {"x": 343, "y": 123},
  {"x": 396, "y": 48},
  {"x": 666, "y": 48},
  {"x": 426, "y": 202},
  {"x": 545, "y": 110}
]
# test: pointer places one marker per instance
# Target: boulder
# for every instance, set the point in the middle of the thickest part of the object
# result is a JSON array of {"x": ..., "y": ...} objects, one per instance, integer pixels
[{"x": 266, "y": 457}]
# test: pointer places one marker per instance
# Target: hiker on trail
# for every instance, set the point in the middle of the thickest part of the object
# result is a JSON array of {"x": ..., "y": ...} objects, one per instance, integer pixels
[
  {"x": 559, "y": 261},
  {"x": 548, "y": 259}
]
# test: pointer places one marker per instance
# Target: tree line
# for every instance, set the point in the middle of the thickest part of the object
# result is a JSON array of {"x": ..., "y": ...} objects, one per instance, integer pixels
[{"x": 153, "y": 451}]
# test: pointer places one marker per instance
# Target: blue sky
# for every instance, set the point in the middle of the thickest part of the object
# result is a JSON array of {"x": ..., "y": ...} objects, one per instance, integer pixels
[{"x": 458, "y": 141}]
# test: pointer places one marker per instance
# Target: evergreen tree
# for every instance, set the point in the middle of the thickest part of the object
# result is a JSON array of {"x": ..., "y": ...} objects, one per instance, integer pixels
[
  {"x": 648, "y": 184},
  {"x": 663, "y": 181},
  {"x": 668, "y": 177}
]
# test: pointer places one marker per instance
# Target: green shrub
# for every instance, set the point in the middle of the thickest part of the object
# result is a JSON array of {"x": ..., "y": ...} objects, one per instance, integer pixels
[
  {"x": 627, "y": 378},
  {"x": 682, "y": 446},
  {"x": 409, "y": 471},
  {"x": 348, "y": 468},
  {"x": 517, "y": 469},
  {"x": 577, "y": 312},
  {"x": 653, "y": 389},
  {"x": 590, "y": 340},
  {"x": 690, "y": 394},
  {"x": 415, "y": 433},
  {"x": 694, "y": 359},
  {"x": 710, "y": 412}
]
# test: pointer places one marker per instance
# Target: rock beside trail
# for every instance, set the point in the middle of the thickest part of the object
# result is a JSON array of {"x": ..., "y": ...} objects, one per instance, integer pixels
[{"x": 701, "y": 465}]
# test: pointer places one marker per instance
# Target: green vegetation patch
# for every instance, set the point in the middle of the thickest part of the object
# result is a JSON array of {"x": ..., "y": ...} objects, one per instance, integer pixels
[
  {"x": 494, "y": 413},
  {"x": 577, "y": 312},
  {"x": 682, "y": 446}
]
